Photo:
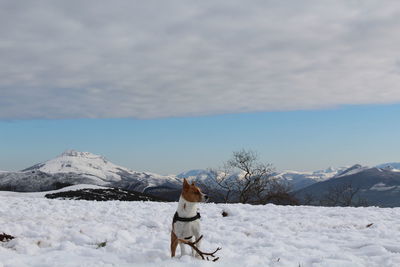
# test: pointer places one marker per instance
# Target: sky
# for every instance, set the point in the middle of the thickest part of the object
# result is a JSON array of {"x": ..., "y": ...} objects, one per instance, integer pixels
[
  {"x": 169, "y": 86},
  {"x": 294, "y": 140}
]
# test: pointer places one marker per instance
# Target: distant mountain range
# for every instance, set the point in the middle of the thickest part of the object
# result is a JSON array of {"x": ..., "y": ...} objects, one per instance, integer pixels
[
  {"x": 297, "y": 180},
  {"x": 380, "y": 183},
  {"x": 376, "y": 186}
]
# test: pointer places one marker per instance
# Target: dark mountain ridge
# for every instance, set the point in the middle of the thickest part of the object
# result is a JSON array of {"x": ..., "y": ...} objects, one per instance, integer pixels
[{"x": 378, "y": 187}]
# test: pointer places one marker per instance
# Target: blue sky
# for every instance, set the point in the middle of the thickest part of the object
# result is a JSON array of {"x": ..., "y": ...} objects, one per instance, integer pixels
[
  {"x": 167, "y": 86},
  {"x": 297, "y": 140}
]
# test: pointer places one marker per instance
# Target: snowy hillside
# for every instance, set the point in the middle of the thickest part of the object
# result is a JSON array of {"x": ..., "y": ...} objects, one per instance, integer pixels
[
  {"x": 300, "y": 180},
  {"x": 43, "y": 193},
  {"x": 352, "y": 170},
  {"x": 88, "y": 164},
  {"x": 82, "y": 233},
  {"x": 374, "y": 186},
  {"x": 73, "y": 167},
  {"x": 319, "y": 175},
  {"x": 93, "y": 166}
]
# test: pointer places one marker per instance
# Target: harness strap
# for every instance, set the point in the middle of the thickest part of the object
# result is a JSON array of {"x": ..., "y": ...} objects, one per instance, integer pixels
[{"x": 181, "y": 219}]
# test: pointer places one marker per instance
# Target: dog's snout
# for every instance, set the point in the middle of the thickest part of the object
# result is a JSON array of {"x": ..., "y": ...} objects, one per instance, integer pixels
[{"x": 206, "y": 197}]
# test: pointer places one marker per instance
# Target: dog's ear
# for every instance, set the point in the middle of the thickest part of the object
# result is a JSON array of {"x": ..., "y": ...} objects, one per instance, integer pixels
[{"x": 185, "y": 184}]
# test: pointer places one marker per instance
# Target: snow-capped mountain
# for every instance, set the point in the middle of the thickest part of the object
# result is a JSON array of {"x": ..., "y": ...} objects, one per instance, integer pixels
[
  {"x": 375, "y": 186},
  {"x": 201, "y": 176},
  {"x": 394, "y": 166},
  {"x": 378, "y": 186},
  {"x": 300, "y": 180},
  {"x": 87, "y": 164},
  {"x": 200, "y": 173},
  {"x": 319, "y": 175},
  {"x": 352, "y": 170},
  {"x": 296, "y": 179},
  {"x": 95, "y": 167},
  {"x": 206, "y": 178},
  {"x": 74, "y": 167}
]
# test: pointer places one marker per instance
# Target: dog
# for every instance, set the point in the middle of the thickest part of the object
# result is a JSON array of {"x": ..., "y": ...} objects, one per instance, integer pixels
[{"x": 186, "y": 221}]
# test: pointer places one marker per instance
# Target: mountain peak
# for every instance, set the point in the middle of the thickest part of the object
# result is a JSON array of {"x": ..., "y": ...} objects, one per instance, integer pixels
[
  {"x": 97, "y": 168},
  {"x": 352, "y": 170},
  {"x": 389, "y": 166},
  {"x": 71, "y": 153},
  {"x": 89, "y": 164},
  {"x": 79, "y": 154}
]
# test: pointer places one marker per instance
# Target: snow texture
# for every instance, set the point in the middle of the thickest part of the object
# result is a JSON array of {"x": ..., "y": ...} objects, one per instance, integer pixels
[{"x": 88, "y": 233}]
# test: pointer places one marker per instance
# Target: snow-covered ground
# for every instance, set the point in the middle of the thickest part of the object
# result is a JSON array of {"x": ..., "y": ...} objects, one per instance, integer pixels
[
  {"x": 42, "y": 194},
  {"x": 70, "y": 233}
]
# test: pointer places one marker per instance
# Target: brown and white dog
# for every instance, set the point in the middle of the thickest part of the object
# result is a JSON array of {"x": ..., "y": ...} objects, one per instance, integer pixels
[{"x": 186, "y": 222}]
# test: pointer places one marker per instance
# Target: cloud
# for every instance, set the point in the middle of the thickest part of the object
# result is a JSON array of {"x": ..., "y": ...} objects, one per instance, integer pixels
[{"x": 152, "y": 59}]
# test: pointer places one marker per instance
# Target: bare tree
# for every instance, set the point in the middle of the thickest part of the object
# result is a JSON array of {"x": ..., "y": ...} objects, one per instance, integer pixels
[
  {"x": 246, "y": 180},
  {"x": 256, "y": 175}
]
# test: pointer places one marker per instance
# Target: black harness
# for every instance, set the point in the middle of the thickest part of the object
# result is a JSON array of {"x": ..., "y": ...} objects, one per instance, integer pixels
[{"x": 181, "y": 219}]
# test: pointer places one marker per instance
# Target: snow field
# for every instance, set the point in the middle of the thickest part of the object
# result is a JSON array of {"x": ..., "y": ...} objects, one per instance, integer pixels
[{"x": 113, "y": 233}]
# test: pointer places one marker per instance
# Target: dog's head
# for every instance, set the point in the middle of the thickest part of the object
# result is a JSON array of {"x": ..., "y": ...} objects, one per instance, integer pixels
[{"x": 191, "y": 193}]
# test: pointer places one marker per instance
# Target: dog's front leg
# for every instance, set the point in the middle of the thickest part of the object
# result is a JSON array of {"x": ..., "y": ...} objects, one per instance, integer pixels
[
  {"x": 196, "y": 237},
  {"x": 183, "y": 250}
]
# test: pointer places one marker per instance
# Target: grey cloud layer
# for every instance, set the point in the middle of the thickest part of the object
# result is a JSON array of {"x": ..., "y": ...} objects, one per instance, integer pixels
[{"x": 149, "y": 59}]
